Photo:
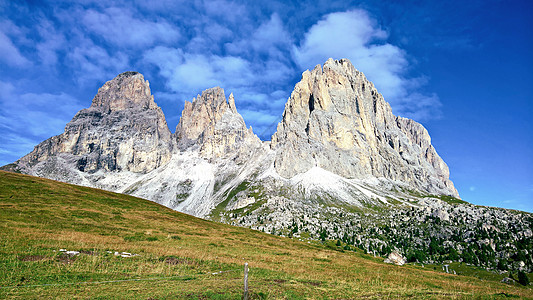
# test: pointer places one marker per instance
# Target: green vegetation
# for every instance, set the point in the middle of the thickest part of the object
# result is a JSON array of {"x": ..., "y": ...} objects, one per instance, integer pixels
[
  {"x": 221, "y": 207},
  {"x": 179, "y": 256},
  {"x": 523, "y": 279},
  {"x": 447, "y": 199}
]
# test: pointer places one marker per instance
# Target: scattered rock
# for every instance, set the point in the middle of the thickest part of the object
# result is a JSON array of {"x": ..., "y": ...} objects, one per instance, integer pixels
[
  {"x": 123, "y": 254},
  {"x": 88, "y": 252},
  {"x": 395, "y": 258},
  {"x": 508, "y": 280},
  {"x": 65, "y": 258}
]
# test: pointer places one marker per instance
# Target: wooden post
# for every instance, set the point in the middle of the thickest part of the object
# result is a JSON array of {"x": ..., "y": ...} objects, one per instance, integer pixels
[{"x": 245, "y": 281}]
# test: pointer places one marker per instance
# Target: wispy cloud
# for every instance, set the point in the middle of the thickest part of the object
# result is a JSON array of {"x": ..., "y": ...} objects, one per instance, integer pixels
[
  {"x": 14, "y": 146},
  {"x": 196, "y": 72},
  {"x": 52, "y": 41},
  {"x": 230, "y": 11},
  {"x": 29, "y": 118},
  {"x": 253, "y": 65},
  {"x": 92, "y": 62},
  {"x": 119, "y": 26},
  {"x": 9, "y": 52}
]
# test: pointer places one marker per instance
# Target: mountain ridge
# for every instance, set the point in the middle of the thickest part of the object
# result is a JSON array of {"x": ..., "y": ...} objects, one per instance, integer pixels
[
  {"x": 334, "y": 120},
  {"x": 340, "y": 166}
]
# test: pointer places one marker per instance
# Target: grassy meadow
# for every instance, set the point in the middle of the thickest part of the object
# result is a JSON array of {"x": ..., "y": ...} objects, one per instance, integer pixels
[{"x": 174, "y": 255}]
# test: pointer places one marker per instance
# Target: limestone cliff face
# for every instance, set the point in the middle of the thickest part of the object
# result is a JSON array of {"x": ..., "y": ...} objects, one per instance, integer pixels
[
  {"x": 212, "y": 124},
  {"x": 123, "y": 129},
  {"x": 335, "y": 119}
]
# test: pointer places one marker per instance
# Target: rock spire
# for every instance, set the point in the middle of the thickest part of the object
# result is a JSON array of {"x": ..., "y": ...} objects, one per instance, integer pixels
[
  {"x": 213, "y": 124},
  {"x": 123, "y": 129},
  {"x": 335, "y": 119}
]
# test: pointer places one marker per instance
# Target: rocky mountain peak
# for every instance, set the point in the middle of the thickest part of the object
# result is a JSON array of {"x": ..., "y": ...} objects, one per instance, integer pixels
[
  {"x": 126, "y": 90},
  {"x": 124, "y": 129},
  {"x": 335, "y": 119},
  {"x": 197, "y": 115},
  {"x": 231, "y": 103},
  {"x": 212, "y": 123}
]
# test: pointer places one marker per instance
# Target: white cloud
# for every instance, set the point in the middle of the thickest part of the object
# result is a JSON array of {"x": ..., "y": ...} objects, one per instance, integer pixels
[
  {"x": 261, "y": 119},
  {"x": 356, "y": 36},
  {"x": 92, "y": 62},
  {"x": 119, "y": 26},
  {"x": 188, "y": 72},
  {"x": 10, "y": 54},
  {"x": 227, "y": 10},
  {"x": 269, "y": 38},
  {"x": 271, "y": 35},
  {"x": 217, "y": 32},
  {"x": 52, "y": 42},
  {"x": 28, "y": 118},
  {"x": 338, "y": 34}
]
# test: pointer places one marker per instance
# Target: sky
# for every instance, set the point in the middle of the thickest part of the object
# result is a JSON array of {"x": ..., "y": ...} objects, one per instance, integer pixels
[{"x": 464, "y": 69}]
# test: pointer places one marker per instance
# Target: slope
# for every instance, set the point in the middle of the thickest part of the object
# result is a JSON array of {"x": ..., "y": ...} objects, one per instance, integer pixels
[{"x": 173, "y": 255}]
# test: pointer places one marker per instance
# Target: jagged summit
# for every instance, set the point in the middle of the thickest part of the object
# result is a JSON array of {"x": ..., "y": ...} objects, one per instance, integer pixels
[
  {"x": 128, "y": 74},
  {"x": 196, "y": 116},
  {"x": 212, "y": 123},
  {"x": 127, "y": 90},
  {"x": 335, "y": 119},
  {"x": 122, "y": 130}
]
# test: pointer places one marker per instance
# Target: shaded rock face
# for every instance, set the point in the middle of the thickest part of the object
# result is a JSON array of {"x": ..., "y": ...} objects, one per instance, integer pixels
[
  {"x": 335, "y": 119},
  {"x": 212, "y": 124},
  {"x": 123, "y": 129}
]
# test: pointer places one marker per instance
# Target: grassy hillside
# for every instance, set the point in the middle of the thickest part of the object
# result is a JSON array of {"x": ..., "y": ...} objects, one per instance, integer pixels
[{"x": 180, "y": 256}]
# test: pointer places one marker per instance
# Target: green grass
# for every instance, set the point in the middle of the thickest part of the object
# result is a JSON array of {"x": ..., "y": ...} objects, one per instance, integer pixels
[
  {"x": 473, "y": 271},
  {"x": 221, "y": 207},
  {"x": 448, "y": 199},
  {"x": 180, "y": 256}
]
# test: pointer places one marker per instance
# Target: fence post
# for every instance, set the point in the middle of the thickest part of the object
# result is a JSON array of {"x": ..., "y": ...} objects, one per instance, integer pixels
[{"x": 245, "y": 281}]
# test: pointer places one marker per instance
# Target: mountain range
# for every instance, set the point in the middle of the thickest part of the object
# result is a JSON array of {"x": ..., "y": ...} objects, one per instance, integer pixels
[{"x": 339, "y": 166}]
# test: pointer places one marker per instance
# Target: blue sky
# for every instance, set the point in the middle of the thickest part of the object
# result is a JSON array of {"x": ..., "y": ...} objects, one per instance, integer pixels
[{"x": 464, "y": 69}]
